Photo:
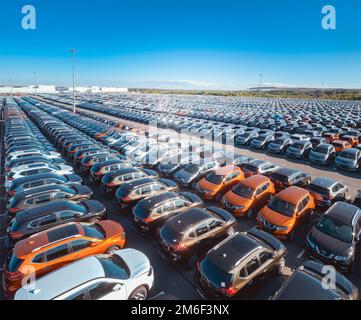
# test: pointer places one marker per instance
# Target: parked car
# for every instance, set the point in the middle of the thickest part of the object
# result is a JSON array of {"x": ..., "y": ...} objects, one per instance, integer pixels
[
  {"x": 34, "y": 220},
  {"x": 323, "y": 154},
  {"x": 307, "y": 283},
  {"x": 280, "y": 145},
  {"x": 248, "y": 196},
  {"x": 259, "y": 167},
  {"x": 130, "y": 193},
  {"x": 99, "y": 169},
  {"x": 150, "y": 213},
  {"x": 283, "y": 214},
  {"x": 188, "y": 235},
  {"x": 216, "y": 183},
  {"x": 285, "y": 177},
  {"x": 56, "y": 247},
  {"x": 124, "y": 275},
  {"x": 236, "y": 264},
  {"x": 299, "y": 149},
  {"x": 327, "y": 191},
  {"x": 37, "y": 196},
  {"x": 349, "y": 160},
  {"x": 334, "y": 238}
]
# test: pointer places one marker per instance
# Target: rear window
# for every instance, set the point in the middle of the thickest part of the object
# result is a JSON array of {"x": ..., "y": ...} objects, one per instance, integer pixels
[
  {"x": 115, "y": 267},
  {"x": 250, "y": 167},
  {"x": 318, "y": 189},
  {"x": 215, "y": 274},
  {"x": 215, "y": 178},
  {"x": 321, "y": 149},
  {"x": 191, "y": 168},
  {"x": 93, "y": 231},
  {"x": 13, "y": 262},
  {"x": 170, "y": 235},
  {"x": 279, "y": 177}
]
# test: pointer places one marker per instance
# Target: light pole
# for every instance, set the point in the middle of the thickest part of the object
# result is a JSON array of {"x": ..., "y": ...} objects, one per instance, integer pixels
[
  {"x": 73, "y": 51},
  {"x": 35, "y": 84}
]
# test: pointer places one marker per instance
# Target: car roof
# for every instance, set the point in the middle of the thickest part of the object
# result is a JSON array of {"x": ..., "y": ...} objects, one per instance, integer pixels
[
  {"x": 254, "y": 181},
  {"x": 42, "y": 189},
  {"x": 343, "y": 212},
  {"x": 181, "y": 221},
  {"x": 286, "y": 171},
  {"x": 65, "y": 278},
  {"x": 227, "y": 169},
  {"x": 228, "y": 253},
  {"x": 292, "y": 194},
  {"x": 138, "y": 183},
  {"x": 323, "y": 182},
  {"x": 44, "y": 238},
  {"x": 122, "y": 171},
  {"x": 152, "y": 201}
]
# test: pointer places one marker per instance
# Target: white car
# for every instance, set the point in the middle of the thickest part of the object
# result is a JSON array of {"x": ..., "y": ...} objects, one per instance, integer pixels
[
  {"x": 31, "y": 153},
  {"x": 124, "y": 275},
  {"x": 30, "y": 169}
]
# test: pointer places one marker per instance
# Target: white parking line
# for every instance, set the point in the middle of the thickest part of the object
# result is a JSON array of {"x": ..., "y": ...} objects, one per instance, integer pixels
[{"x": 301, "y": 254}]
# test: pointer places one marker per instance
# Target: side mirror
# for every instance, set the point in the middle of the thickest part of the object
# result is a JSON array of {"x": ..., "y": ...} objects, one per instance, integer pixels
[{"x": 117, "y": 287}]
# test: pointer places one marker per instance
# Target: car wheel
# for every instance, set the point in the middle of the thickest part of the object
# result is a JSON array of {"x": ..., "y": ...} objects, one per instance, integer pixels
[
  {"x": 192, "y": 260},
  {"x": 281, "y": 266},
  {"x": 231, "y": 231},
  {"x": 249, "y": 214},
  {"x": 112, "y": 249},
  {"x": 139, "y": 293}
]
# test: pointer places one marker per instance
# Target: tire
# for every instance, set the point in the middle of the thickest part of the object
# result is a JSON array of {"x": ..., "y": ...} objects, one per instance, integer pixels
[
  {"x": 140, "y": 293},
  {"x": 231, "y": 231},
  {"x": 111, "y": 249},
  {"x": 192, "y": 260},
  {"x": 249, "y": 214},
  {"x": 280, "y": 266}
]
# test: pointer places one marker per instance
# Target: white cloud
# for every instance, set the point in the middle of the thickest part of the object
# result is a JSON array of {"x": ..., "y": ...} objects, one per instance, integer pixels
[{"x": 175, "y": 84}]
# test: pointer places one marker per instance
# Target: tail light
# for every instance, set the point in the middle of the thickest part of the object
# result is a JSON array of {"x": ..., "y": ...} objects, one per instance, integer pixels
[
  {"x": 179, "y": 247},
  {"x": 14, "y": 276},
  {"x": 15, "y": 235},
  {"x": 230, "y": 291},
  {"x": 111, "y": 184},
  {"x": 126, "y": 199},
  {"x": 97, "y": 173},
  {"x": 11, "y": 193},
  {"x": 148, "y": 220},
  {"x": 14, "y": 210}
]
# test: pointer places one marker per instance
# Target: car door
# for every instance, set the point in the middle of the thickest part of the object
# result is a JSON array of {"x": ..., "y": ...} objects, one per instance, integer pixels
[
  {"x": 47, "y": 222},
  {"x": 261, "y": 195},
  {"x": 107, "y": 290},
  {"x": 203, "y": 235},
  {"x": 56, "y": 257},
  {"x": 249, "y": 272},
  {"x": 79, "y": 248}
]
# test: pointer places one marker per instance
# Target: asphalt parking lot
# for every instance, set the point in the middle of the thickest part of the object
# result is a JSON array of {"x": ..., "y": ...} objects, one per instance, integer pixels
[{"x": 177, "y": 281}]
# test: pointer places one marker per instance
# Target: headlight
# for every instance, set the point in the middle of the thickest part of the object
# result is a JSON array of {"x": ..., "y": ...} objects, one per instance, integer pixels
[
  {"x": 282, "y": 228},
  {"x": 348, "y": 254}
]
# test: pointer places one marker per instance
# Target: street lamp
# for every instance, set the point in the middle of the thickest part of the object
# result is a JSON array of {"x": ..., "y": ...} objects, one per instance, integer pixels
[
  {"x": 260, "y": 82},
  {"x": 73, "y": 51}
]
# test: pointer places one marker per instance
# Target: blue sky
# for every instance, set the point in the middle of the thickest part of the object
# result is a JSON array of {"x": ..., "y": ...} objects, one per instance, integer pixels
[{"x": 204, "y": 44}]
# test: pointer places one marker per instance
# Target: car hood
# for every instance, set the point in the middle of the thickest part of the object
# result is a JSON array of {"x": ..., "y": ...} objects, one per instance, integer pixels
[
  {"x": 137, "y": 262},
  {"x": 184, "y": 175},
  {"x": 94, "y": 206},
  {"x": 328, "y": 243},
  {"x": 205, "y": 184},
  {"x": 237, "y": 199},
  {"x": 275, "y": 217}
]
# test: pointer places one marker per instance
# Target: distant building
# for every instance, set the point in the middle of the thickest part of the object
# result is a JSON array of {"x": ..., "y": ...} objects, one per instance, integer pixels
[
  {"x": 27, "y": 89},
  {"x": 55, "y": 89}
]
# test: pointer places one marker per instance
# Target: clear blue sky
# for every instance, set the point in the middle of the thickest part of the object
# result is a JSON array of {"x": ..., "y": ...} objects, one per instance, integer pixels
[{"x": 182, "y": 43}]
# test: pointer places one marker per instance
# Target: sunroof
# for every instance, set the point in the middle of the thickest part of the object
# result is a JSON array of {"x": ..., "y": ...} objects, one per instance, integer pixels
[{"x": 62, "y": 233}]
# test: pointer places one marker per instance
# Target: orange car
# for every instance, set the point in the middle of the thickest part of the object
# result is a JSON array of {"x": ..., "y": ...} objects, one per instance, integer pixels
[
  {"x": 285, "y": 211},
  {"x": 251, "y": 193},
  {"x": 351, "y": 140},
  {"x": 51, "y": 249},
  {"x": 219, "y": 181},
  {"x": 341, "y": 145}
]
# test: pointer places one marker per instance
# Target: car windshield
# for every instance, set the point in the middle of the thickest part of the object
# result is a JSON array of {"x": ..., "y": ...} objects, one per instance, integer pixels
[
  {"x": 115, "y": 267},
  {"x": 348, "y": 155},
  {"x": 243, "y": 191},
  {"x": 215, "y": 274},
  {"x": 321, "y": 149},
  {"x": 279, "y": 141},
  {"x": 191, "y": 168},
  {"x": 215, "y": 178},
  {"x": 335, "y": 229},
  {"x": 282, "y": 206},
  {"x": 93, "y": 231}
]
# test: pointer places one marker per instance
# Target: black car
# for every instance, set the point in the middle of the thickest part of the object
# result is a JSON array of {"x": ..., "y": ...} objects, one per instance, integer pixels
[
  {"x": 237, "y": 263},
  {"x": 307, "y": 283},
  {"x": 299, "y": 149},
  {"x": 41, "y": 179},
  {"x": 131, "y": 192},
  {"x": 188, "y": 235},
  {"x": 335, "y": 236},
  {"x": 151, "y": 212},
  {"x": 31, "y": 221},
  {"x": 283, "y": 178},
  {"x": 99, "y": 169},
  {"x": 112, "y": 180},
  {"x": 317, "y": 140}
]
